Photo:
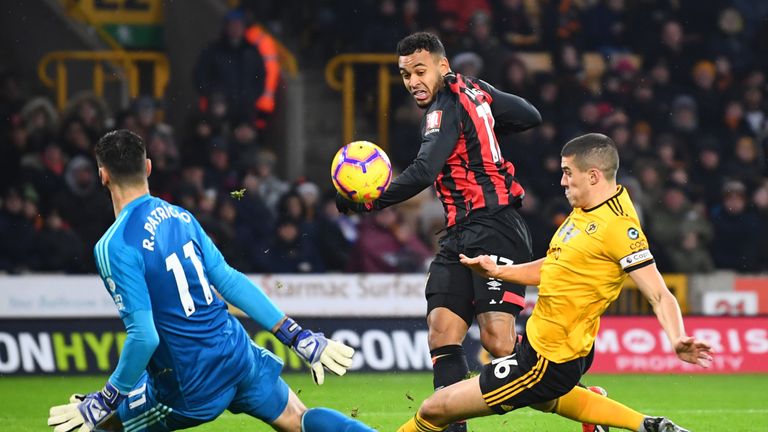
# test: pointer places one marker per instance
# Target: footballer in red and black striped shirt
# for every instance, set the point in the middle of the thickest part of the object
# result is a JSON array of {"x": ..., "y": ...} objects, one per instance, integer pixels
[{"x": 460, "y": 155}]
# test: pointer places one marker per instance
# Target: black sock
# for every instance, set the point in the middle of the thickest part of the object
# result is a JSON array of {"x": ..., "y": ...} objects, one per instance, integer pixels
[{"x": 449, "y": 365}]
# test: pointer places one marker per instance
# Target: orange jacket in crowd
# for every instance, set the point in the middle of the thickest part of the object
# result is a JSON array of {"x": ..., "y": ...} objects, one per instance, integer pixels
[{"x": 267, "y": 46}]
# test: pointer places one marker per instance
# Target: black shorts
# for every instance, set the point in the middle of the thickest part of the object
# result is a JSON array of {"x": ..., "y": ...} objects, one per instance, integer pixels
[
  {"x": 502, "y": 234},
  {"x": 526, "y": 378}
]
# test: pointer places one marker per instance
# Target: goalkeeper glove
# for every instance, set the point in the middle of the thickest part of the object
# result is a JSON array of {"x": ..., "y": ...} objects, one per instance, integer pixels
[
  {"x": 95, "y": 411},
  {"x": 316, "y": 349}
]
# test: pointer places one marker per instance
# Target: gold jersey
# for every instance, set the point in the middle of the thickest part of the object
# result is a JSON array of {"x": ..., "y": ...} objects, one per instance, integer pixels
[{"x": 586, "y": 264}]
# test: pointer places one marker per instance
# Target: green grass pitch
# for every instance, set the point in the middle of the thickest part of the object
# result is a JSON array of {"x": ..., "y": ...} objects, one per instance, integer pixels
[{"x": 384, "y": 401}]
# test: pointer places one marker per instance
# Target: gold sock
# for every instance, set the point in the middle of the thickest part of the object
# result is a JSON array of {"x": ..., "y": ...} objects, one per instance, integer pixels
[
  {"x": 418, "y": 424},
  {"x": 586, "y": 406}
]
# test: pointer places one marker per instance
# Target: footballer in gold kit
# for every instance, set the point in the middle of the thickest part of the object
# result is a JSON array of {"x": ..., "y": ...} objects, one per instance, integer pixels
[{"x": 589, "y": 258}]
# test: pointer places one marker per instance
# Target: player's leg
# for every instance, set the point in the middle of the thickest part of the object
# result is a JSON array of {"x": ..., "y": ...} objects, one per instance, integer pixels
[
  {"x": 285, "y": 412},
  {"x": 263, "y": 394},
  {"x": 589, "y": 427},
  {"x": 143, "y": 411},
  {"x": 462, "y": 400},
  {"x": 498, "y": 303},
  {"x": 449, "y": 314},
  {"x": 586, "y": 406},
  {"x": 497, "y": 333}
]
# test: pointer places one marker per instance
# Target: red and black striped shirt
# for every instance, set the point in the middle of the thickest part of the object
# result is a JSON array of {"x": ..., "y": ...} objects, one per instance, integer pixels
[{"x": 460, "y": 153}]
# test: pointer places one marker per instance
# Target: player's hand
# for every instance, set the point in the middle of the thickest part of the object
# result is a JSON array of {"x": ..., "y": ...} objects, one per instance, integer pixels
[
  {"x": 481, "y": 264},
  {"x": 316, "y": 349},
  {"x": 323, "y": 353},
  {"x": 345, "y": 206},
  {"x": 86, "y": 412},
  {"x": 694, "y": 351},
  {"x": 67, "y": 417}
]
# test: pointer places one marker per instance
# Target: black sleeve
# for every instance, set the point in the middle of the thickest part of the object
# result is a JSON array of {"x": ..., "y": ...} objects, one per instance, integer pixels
[
  {"x": 437, "y": 144},
  {"x": 512, "y": 113}
]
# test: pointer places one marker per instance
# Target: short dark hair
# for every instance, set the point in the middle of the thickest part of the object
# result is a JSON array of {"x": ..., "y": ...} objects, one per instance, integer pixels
[
  {"x": 123, "y": 153},
  {"x": 593, "y": 150},
  {"x": 420, "y": 41}
]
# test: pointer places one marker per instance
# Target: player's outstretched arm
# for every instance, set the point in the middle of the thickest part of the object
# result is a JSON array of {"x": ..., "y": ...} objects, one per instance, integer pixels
[
  {"x": 96, "y": 410},
  {"x": 240, "y": 291},
  {"x": 317, "y": 350},
  {"x": 688, "y": 349},
  {"x": 524, "y": 274}
]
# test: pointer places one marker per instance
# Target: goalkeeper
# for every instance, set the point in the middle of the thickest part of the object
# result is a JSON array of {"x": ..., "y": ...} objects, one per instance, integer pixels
[{"x": 186, "y": 359}]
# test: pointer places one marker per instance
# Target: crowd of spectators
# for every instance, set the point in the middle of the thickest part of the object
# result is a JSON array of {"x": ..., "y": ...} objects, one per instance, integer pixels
[{"x": 682, "y": 94}]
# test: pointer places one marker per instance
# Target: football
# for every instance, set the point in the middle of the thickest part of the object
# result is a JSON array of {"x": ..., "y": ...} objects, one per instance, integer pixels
[{"x": 361, "y": 171}]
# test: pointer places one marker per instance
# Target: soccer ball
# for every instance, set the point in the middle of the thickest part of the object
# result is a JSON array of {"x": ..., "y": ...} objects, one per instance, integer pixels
[{"x": 361, "y": 171}]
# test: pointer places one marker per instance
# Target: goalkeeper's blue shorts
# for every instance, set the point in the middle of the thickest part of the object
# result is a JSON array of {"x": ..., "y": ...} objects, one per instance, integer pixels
[{"x": 261, "y": 394}]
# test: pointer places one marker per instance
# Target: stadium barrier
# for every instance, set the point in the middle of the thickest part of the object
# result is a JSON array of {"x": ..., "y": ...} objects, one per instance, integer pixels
[
  {"x": 56, "y": 324},
  {"x": 123, "y": 65}
]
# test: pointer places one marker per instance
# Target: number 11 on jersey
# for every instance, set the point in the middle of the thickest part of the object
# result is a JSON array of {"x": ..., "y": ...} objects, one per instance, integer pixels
[{"x": 172, "y": 263}]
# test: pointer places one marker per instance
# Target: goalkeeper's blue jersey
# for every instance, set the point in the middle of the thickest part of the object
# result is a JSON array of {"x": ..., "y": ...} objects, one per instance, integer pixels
[{"x": 156, "y": 257}]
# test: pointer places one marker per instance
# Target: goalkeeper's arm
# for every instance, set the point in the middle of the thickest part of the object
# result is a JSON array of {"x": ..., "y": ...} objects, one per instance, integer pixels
[
  {"x": 94, "y": 410},
  {"x": 315, "y": 348}
]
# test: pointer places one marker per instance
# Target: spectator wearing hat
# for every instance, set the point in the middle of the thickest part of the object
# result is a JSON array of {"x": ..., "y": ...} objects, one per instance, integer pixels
[
  {"x": 83, "y": 204},
  {"x": 736, "y": 244},
  {"x": 684, "y": 121},
  {"x": 41, "y": 119},
  {"x": 707, "y": 96}
]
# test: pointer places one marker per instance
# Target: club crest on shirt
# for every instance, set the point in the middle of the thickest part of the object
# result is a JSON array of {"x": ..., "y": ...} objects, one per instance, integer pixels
[
  {"x": 591, "y": 228},
  {"x": 433, "y": 121}
]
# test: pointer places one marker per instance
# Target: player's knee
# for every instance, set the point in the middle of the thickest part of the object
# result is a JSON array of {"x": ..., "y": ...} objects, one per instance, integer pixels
[
  {"x": 498, "y": 344},
  {"x": 433, "y": 410},
  {"x": 290, "y": 419},
  {"x": 444, "y": 334}
]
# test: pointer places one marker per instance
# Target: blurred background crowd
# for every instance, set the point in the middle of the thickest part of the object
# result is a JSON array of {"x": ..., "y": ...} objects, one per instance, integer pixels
[{"x": 681, "y": 88}]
